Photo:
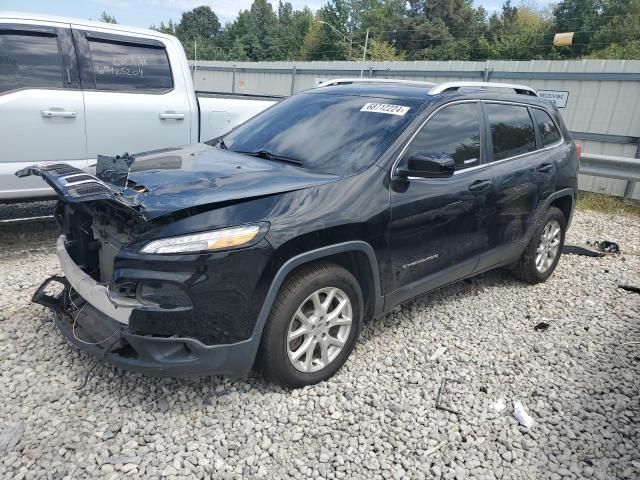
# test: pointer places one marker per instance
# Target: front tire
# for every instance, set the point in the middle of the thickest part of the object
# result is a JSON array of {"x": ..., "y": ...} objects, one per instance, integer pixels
[
  {"x": 313, "y": 326},
  {"x": 542, "y": 254}
]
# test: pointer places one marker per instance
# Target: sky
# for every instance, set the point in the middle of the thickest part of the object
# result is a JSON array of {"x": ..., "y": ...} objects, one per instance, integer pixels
[{"x": 144, "y": 13}]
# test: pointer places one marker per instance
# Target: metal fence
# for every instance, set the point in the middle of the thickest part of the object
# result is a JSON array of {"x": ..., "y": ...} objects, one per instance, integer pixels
[{"x": 599, "y": 99}]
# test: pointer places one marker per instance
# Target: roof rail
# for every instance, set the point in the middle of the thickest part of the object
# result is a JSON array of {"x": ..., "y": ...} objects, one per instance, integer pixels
[
  {"x": 346, "y": 81},
  {"x": 452, "y": 86}
]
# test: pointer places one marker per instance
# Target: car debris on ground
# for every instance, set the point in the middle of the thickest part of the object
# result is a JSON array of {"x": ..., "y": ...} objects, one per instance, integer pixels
[{"x": 521, "y": 415}]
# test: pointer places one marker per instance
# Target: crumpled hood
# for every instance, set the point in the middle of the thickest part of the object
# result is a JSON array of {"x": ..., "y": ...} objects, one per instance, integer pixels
[
  {"x": 200, "y": 175},
  {"x": 169, "y": 180}
]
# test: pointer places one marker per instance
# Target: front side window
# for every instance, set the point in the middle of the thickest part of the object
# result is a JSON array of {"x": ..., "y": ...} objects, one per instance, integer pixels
[
  {"x": 29, "y": 60},
  {"x": 547, "y": 127},
  {"x": 512, "y": 130},
  {"x": 453, "y": 131},
  {"x": 127, "y": 67},
  {"x": 339, "y": 134}
]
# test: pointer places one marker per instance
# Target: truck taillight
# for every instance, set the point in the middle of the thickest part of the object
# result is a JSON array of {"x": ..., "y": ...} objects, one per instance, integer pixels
[{"x": 579, "y": 150}]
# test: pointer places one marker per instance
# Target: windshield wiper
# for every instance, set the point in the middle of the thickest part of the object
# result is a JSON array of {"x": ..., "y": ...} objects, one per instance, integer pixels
[{"x": 270, "y": 156}]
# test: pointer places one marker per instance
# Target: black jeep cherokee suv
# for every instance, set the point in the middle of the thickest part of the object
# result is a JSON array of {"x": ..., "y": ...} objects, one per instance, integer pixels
[{"x": 272, "y": 245}]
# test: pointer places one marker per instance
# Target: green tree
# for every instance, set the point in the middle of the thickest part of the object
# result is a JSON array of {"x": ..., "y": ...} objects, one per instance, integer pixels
[
  {"x": 629, "y": 51},
  {"x": 520, "y": 33},
  {"x": 619, "y": 29},
  {"x": 106, "y": 18},
  {"x": 379, "y": 50},
  {"x": 201, "y": 22}
]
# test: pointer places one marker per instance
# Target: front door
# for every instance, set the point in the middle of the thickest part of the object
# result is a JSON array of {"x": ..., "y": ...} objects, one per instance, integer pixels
[
  {"x": 41, "y": 108},
  {"x": 439, "y": 226}
]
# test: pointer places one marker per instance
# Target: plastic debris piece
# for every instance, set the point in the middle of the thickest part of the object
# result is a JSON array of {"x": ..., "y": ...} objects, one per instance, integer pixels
[
  {"x": 542, "y": 327},
  {"x": 629, "y": 288},
  {"x": 521, "y": 415},
  {"x": 437, "y": 354},
  {"x": 605, "y": 246},
  {"x": 10, "y": 435},
  {"x": 499, "y": 405}
]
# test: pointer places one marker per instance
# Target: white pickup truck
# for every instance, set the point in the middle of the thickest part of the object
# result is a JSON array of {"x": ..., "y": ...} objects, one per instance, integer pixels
[{"x": 72, "y": 89}]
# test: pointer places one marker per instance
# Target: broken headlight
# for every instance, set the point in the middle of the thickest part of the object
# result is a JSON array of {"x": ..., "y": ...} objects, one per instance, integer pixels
[{"x": 207, "y": 241}]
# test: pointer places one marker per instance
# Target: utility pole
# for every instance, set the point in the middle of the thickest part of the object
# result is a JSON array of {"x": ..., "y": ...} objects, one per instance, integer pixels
[
  {"x": 364, "y": 54},
  {"x": 348, "y": 40},
  {"x": 195, "y": 62}
]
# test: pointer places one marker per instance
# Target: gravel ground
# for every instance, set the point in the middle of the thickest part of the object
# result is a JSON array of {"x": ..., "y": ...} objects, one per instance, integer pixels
[{"x": 377, "y": 417}]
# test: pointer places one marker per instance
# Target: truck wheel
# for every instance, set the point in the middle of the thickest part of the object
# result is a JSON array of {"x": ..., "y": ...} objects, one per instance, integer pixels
[
  {"x": 313, "y": 326},
  {"x": 541, "y": 256}
]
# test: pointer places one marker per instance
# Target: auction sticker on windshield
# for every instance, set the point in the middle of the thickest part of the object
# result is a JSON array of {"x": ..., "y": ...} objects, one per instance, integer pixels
[{"x": 385, "y": 108}]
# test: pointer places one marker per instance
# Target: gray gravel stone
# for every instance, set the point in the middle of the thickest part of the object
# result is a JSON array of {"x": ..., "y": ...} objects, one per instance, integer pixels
[{"x": 376, "y": 418}]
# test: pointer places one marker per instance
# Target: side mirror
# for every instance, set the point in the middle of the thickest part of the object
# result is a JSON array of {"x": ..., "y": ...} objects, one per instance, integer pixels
[{"x": 427, "y": 165}]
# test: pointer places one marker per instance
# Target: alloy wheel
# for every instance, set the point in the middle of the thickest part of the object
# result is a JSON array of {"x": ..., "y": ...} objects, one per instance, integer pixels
[
  {"x": 549, "y": 246},
  {"x": 319, "y": 329}
]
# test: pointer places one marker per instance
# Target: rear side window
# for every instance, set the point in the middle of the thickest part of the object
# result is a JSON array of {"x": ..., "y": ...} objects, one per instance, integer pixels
[
  {"x": 29, "y": 60},
  {"x": 127, "y": 67},
  {"x": 512, "y": 130},
  {"x": 453, "y": 131},
  {"x": 548, "y": 129}
]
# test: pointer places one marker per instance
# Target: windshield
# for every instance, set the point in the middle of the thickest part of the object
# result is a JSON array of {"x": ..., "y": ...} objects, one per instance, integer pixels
[{"x": 339, "y": 134}]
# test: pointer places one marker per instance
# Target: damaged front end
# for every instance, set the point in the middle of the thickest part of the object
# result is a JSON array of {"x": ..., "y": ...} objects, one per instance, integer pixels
[
  {"x": 139, "y": 312},
  {"x": 88, "y": 329}
]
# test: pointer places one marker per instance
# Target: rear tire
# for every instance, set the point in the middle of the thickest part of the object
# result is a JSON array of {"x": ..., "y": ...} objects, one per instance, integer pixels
[
  {"x": 543, "y": 252},
  {"x": 313, "y": 326}
]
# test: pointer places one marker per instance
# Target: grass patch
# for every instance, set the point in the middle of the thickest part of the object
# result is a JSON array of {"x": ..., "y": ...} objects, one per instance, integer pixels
[{"x": 607, "y": 204}]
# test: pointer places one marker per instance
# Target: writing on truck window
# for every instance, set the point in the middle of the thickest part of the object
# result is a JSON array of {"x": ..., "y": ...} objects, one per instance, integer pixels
[{"x": 129, "y": 67}]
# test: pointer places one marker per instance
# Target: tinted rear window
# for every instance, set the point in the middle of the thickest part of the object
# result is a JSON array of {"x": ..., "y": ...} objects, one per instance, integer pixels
[
  {"x": 512, "y": 130},
  {"x": 120, "y": 66},
  {"x": 29, "y": 61},
  {"x": 548, "y": 130},
  {"x": 339, "y": 134}
]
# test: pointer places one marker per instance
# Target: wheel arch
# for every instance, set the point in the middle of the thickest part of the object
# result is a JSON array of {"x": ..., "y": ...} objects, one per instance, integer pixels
[
  {"x": 564, "y": 200},
  {"x": 356, "y": 256}
]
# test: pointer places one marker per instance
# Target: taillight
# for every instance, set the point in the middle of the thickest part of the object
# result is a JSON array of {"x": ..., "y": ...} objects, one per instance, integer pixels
[{"x": 579, "y": 150}]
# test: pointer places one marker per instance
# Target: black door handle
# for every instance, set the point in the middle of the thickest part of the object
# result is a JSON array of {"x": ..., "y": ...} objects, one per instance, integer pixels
[
  {"x": 545, "y": 167},
  {"x": 480, "y": 185}
]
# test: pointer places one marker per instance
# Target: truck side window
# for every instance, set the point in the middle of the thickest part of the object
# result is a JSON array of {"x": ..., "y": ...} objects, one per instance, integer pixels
[
  {"x": 548, "y": 129},
  {"x": 127, "y": 67},
  {"x": 512, "y": 130},
  {"x": 29, "y": 60},
  {"x": 453, "y": 131}
]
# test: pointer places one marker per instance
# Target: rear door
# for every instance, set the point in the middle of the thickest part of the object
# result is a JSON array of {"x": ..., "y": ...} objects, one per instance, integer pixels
[
  {"x": 41, "y": 108},
  {"x": 133, "y": 100},
  {"x": 440, "y": 226},
  {"x": 523, "y": 175}
]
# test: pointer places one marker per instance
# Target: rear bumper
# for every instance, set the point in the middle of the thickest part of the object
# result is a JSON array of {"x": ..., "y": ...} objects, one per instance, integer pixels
[{"x": 87, "y": 328}]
